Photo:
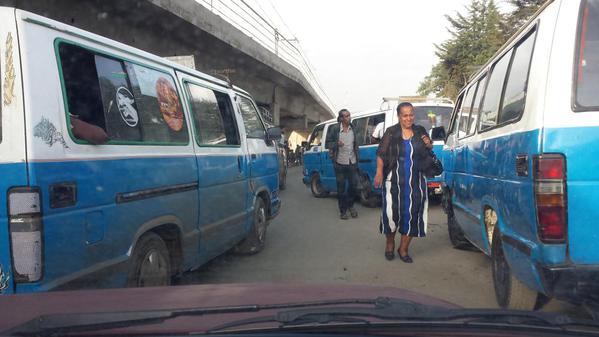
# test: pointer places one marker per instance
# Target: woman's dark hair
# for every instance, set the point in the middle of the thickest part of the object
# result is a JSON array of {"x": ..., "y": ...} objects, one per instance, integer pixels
[{"x": 403, "y": 105}]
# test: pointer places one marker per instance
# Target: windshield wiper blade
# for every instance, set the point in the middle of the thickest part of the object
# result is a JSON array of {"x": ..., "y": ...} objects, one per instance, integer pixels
[
  {"x": 48, "y": 325},
  {"x": 389, "y": 309}
]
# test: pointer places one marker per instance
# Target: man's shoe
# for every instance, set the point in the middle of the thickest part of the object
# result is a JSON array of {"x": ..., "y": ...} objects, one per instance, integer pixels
[
  {"x": 344, "y": 216},
  {"x": 353, "y": 212}
]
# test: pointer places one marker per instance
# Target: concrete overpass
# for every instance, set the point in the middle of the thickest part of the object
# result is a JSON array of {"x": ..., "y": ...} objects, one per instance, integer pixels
[{"x": 186, "y": 28}]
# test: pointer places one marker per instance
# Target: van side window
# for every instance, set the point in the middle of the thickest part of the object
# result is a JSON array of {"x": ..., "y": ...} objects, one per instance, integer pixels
[
  {"x": 253, "y": 125},
  {"x": 316, "y": 136},
  {"x": 130, "y": 103},
  {"x": 586, "y": 63},
  {"x": 360, "y": 130},
  {"x": 159, "y": 107},
  {"x": 465, "y": 112},
  {"x": 213, "y": 116},
  {"x": 517, "y": 81},
  {"x": 491, "y": 100},
  {"x": 474, "y": 112}
]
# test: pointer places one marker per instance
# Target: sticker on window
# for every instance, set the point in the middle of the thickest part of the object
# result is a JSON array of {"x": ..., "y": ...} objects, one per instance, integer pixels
[
  {"x": 124, "y": 99},
  {"x": 170, "y": 107}
]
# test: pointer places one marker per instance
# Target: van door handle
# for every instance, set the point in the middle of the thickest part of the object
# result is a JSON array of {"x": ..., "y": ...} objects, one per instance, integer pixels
[
  {"x": 522, "y": 165},
  {"x": 253, "y": 156},
  {"x": 239, "y": 163}
]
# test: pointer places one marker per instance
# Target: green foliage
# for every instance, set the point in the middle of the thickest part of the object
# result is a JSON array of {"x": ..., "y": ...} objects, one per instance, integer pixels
[{"x": 475, "y": 36}]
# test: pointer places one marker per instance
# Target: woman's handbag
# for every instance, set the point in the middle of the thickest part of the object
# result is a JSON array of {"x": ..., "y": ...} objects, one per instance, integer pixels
[{"x": 432, "y": 165}]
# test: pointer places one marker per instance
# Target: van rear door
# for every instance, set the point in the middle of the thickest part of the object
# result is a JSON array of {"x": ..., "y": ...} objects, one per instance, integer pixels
[
  {"x": 578, "y": 140},
  {"x": 13, "y": 169}
]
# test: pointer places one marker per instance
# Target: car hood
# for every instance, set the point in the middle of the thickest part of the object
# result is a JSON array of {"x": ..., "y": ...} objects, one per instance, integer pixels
[{"x": 26, "y": 307}]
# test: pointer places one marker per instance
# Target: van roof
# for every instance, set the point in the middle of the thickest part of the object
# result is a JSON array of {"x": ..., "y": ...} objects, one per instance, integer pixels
[{"x": 83, "y": 34}]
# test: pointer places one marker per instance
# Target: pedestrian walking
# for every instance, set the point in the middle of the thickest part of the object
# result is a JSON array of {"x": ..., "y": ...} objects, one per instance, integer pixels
[
  {"x": 400, "y": 159},
  {"x": 344, "y": 154}
]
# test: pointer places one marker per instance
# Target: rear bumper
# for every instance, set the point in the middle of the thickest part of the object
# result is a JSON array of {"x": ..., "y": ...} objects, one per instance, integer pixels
[
  {"x": 435, "y": 187},
  {"x": 576, "y": 284}
]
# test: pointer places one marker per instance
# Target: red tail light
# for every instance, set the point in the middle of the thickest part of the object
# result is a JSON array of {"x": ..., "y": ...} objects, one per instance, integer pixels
[{"x": 550, "y": 196}]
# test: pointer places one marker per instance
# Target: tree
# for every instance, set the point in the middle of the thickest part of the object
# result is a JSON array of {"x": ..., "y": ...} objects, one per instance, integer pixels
[
  {"x": 523, "y": 10},
  {"x": 475, "y": 37}
]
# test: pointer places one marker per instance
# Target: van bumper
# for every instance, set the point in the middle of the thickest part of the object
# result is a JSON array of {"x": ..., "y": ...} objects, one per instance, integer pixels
[{"x": 578, "y": 284}]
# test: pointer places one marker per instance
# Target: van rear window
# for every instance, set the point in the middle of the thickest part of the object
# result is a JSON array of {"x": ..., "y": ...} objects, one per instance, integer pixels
[
  {"x": 587, "y": 60},
  {"x": 432, "y": 116}
]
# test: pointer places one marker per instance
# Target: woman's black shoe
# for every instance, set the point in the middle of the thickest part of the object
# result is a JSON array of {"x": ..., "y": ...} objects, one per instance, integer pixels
[
  {"x": 389, "y": 255},
  {"x": 406, "y": 259}
]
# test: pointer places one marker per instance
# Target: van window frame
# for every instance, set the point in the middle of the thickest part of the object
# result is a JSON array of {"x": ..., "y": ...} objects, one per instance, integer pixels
[
  {"x": 60, "y": 40},
  {"x": 196, "y": 129},
  {"x": 574, "y": 91},
  {"x": 532, "y": 30},
  {"x": 475, "y": 85},
  {"x": 479, "y": 85},
  {"x": 455, "y": 115}
]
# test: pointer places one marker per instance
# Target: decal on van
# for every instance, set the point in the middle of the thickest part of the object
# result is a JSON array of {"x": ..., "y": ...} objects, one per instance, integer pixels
[
  {"x": 47, "y": 132},
  {"x": 124, "y": 101},
  {"x": 9, "y": 72},
  {"x": 170, "y": 107}
]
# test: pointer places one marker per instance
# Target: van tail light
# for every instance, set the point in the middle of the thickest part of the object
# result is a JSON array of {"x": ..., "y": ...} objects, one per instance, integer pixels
[
  {"x": 25, "y": 221},
  {"x": 550, "y": 196}
]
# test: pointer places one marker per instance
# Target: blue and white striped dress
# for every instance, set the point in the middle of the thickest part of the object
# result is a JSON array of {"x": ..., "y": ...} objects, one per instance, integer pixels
[{"x": 405, "y": 202}]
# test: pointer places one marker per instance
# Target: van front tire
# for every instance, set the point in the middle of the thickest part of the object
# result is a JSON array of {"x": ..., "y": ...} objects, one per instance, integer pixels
[
  {"x": 316, "y": 187},
  {"x": 509, "y": 291},
  {"x": 150, "y": 263},
  {"x": 256, "y": 238}
]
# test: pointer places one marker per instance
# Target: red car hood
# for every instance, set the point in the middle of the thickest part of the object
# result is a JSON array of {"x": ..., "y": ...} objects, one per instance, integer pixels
[{"x": 18, "y": 309}]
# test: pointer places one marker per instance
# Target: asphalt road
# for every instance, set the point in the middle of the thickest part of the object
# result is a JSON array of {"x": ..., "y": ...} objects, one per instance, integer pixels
[{"x": 308, "y": 242}]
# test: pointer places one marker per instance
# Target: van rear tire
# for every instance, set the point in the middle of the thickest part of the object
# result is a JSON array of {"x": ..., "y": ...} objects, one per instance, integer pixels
[
  {"x": 316, "y": 187},
  {"x": 510, "y": 292},
  {"x": 150, "y": 263}
]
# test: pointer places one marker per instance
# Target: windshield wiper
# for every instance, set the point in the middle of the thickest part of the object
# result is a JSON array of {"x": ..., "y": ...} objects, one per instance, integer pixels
[
  {"x": 389, "y": 309},
  {"x": 48, "y": 325}
]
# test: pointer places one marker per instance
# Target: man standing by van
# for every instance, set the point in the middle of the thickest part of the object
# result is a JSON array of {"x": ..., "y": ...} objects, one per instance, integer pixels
[{"x": 344, "y": 154}]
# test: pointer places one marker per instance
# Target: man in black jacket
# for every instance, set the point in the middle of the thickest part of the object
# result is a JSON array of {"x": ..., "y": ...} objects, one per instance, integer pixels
[{"x": 343, "y": 148}]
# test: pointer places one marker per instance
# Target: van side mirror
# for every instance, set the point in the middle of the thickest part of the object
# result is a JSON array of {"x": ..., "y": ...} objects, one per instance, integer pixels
[
  {"x": 305, "y": 144},
  {"x": 273, "y": 133},
  {"x": 438, "y": 133}
]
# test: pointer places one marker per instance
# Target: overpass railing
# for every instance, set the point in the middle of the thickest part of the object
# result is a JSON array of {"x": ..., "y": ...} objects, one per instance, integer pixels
[{"x": 245, "y": 18}]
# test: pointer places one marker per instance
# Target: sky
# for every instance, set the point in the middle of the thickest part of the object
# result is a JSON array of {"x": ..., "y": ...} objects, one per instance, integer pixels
[{"x": 362, "y": 51}]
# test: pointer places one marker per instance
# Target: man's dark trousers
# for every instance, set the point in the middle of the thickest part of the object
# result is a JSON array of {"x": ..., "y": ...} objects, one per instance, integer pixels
[{"x": 346, "y": 174}]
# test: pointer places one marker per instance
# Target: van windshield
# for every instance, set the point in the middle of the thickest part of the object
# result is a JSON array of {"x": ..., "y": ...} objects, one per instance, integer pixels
[
  {"x": 432, "y": 116},
  {"x": 587, "y": 65}
]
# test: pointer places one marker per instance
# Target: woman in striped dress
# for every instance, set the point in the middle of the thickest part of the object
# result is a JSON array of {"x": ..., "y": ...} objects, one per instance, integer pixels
[{"x": 400, "y": 157}]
